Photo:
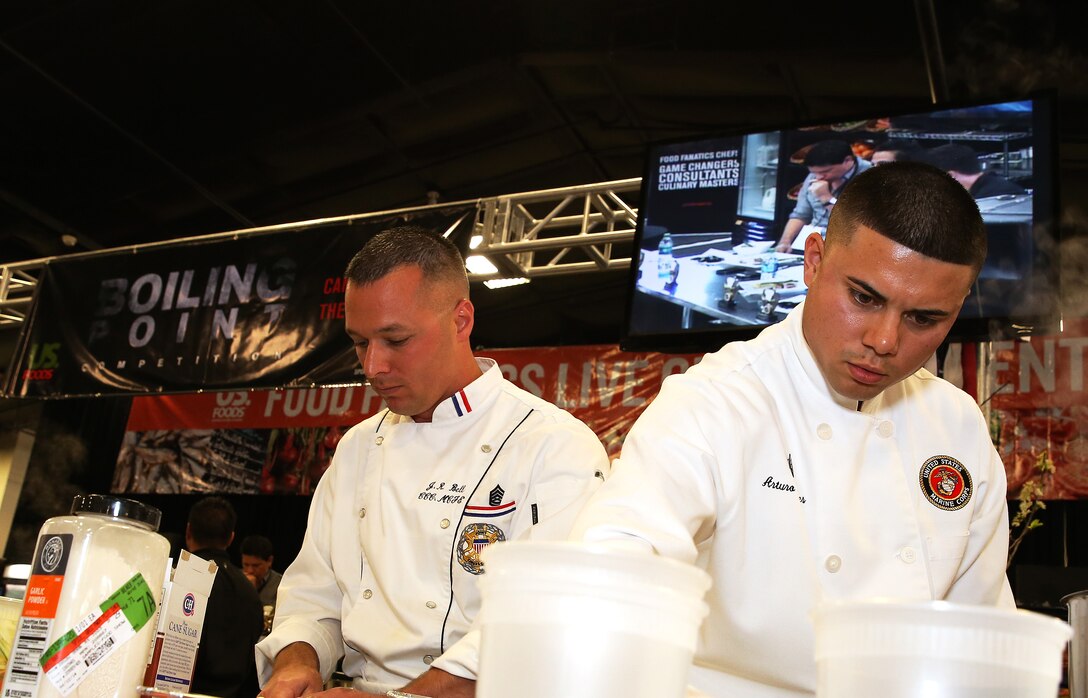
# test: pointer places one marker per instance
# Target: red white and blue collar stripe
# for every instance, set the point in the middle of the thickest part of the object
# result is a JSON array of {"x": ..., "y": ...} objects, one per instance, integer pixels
[
  {"x": 491, "y": 512},
  {"x": 460, "y": 403}
]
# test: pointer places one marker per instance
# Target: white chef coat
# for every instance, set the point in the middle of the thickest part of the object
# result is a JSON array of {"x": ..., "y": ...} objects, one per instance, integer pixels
[
  {"x": 751, "y": 467},
  {"x": 387, "y": 571}
]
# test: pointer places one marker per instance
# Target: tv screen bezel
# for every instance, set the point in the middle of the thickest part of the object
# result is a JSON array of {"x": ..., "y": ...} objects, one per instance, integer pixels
[{"x": 1045, "y": 229}]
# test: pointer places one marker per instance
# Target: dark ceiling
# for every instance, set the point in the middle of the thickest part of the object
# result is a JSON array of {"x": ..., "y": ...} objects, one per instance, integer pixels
[{"x": 130, "y": 121}]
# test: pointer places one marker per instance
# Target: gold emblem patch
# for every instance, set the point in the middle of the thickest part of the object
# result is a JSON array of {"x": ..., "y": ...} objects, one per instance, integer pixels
[{"x": 474, "y": 538}]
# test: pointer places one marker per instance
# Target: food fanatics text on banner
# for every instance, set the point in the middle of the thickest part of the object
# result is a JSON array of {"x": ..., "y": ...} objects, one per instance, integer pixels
[
  {"x": 281, "y": 441},
  {"x": 260, "y": 310}
]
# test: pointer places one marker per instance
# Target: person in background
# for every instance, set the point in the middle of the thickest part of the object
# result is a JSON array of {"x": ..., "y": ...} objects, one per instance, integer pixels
[
  {"x": 459, "y": 459},
  {"x": 831, "y": 165},
  {"x": 961, "y": 162},
  {"x": 820, "y": 461},
  {"x": 898, "y": 150},
  {"x": 225, "y": 665},
  {"x": 257, "y": 557}
]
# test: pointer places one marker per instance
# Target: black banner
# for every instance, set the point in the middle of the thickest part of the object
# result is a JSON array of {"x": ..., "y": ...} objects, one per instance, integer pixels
[{"x": 262, "y": 310}]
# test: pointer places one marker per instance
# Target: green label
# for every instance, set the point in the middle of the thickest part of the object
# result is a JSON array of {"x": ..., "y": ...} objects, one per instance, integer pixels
[{"x": 136, "y": 602}]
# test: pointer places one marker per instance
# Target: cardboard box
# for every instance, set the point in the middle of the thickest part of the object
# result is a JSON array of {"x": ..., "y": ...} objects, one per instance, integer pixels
[{"x": 180, "y": 621}]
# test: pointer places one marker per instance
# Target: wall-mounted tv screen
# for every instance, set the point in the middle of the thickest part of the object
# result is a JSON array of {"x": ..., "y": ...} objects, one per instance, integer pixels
[{"x": 723, "y": 219}]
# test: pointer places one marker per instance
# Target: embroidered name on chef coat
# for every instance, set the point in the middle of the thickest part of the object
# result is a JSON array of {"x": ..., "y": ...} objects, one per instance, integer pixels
[
  {"x": 946, "y": 483},
  {"x": 772, "y": 483}
]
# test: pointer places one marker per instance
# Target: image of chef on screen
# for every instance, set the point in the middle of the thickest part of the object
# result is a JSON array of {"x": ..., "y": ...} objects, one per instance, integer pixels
[{"x": 831, "y": 164}]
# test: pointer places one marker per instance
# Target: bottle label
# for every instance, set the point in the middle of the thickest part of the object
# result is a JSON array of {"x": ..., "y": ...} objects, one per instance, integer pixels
[
  {"x": 94, "y": 639},
  {"x": 43, "y": 591}
]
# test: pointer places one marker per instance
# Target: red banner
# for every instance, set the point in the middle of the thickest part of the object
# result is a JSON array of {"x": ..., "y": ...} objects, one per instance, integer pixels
[
  {"x": 1039, "y": 405},
  {"x": 282, "y": 440}
]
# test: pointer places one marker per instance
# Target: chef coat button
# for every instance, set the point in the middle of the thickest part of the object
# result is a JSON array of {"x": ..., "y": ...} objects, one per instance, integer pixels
[
  {"x": 431, "y": 604},
  {"x": 378, "y": 440},
  {"x": 444, "y": 523},
  {"x": 362, "y": 512},
  {"x": 367, "y": 593},
  {"x": 427, "y": 658},
  {"x": 824, "y": 431},
  {"x": 485, "y": 448},
  {"x": 907, "y": 554},
  {"x": 885, "y": 429},
  {"x": 833, "y": 563}
]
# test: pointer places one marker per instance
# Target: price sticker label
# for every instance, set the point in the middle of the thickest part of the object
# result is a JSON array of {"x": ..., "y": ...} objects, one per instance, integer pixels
[{"x": 95, "y": 638}]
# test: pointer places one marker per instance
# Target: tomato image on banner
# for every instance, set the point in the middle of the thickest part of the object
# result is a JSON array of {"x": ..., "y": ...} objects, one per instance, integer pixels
[{"x": 297, "y": 458}]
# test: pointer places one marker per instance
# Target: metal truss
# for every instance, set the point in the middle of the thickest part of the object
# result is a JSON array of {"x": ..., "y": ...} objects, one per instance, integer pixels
[
  {"x": 571, "y": 230},
  {"x": 17, "y": 284}
]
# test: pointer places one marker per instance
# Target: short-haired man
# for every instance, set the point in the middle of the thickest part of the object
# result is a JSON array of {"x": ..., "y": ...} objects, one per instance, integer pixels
[
  {"x": 257, "y": 557},
  {"x": 461, "y": 458},
  {"x": 831, "y": 165},
  {"x": 820, "y": 461},
  {"x": 962, "y": 164},
  {"x": 234, "y": 619}
]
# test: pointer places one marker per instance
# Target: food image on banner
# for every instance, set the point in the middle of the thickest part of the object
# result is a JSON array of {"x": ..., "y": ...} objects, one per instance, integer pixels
[
  {"x": 190, "y": 460},
  {"x": 1038, "y": 406},
  {"x": 297, "y": 458}
]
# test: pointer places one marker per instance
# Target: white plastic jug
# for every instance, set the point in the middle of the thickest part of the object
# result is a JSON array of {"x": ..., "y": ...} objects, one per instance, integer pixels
[
  {"x": 582, "y": 621},
  {"x": 88, "y": 620}
]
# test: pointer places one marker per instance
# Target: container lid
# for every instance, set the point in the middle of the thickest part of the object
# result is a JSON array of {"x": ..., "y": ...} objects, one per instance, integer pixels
[{"x": 118, "y": 507}]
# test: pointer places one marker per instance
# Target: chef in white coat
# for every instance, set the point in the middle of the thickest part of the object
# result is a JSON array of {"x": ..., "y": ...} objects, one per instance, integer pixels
[
  {"x": 820, "y": 461},
  {"x": 460, "y": 459}
]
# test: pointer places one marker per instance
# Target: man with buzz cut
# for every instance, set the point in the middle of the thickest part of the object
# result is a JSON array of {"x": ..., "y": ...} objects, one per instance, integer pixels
[
  {"x": 459, "y": 459},
  {"x": 820, "y": 461}
]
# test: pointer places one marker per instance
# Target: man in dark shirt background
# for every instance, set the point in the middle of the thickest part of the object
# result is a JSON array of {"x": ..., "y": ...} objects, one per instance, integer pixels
[
  {"x": 961, "y": 163},
  {"x": 225, "y": 663},
  {"x": 257, "y": 557}
]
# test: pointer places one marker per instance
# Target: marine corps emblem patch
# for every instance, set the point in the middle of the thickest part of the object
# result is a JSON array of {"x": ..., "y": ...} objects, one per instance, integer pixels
[
  {"x": 946, "y": 483},
  {"x": 474, "y": 538}
]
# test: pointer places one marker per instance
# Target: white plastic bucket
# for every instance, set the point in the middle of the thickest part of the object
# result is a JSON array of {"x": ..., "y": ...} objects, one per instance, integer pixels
[
  {"x": 582, "y": 621},
  {"x": 936, "y": 649}
]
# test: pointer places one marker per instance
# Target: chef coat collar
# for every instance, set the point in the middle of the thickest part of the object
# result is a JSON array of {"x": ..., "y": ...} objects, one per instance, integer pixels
[
  {"x": 804, "y": 354},
  {"x": 472, "y": 397}
]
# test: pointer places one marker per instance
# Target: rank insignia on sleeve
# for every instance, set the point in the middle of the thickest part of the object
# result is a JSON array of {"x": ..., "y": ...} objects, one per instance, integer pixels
[
  {"x": 474, "y": 538},
  {"x": 946, "y": 483}
]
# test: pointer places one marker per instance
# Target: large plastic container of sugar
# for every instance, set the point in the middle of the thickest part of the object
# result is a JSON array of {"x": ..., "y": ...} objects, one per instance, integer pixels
[
  {"x": 936, "y": 649},
  {"x": 88, "y": 618},
  {"x": 580, "y": 621}
]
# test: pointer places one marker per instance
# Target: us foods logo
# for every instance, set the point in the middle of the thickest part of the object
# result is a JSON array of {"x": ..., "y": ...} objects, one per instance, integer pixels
[
  {"x": 230, "y": 407},
  {"x": 42, "y": 362}
]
